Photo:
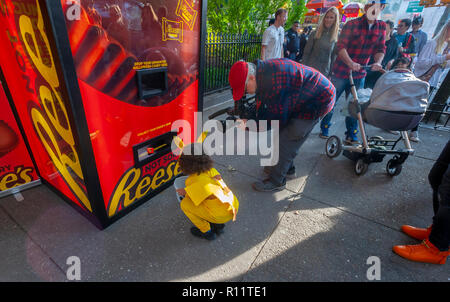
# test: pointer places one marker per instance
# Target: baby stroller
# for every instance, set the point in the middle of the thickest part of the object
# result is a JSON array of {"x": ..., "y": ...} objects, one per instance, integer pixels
[{"x": 398, "y": 103}]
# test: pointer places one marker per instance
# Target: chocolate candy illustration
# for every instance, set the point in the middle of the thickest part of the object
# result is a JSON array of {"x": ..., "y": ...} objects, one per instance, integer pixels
[{"x": 8, "y": 139}]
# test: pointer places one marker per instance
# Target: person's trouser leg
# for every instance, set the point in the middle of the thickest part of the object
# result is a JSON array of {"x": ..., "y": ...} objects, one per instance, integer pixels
[
  {"x": 437, "y": 173},
  {"x": 350, "y": 122},
  {"x": 440, "y": 231},
  {"x": 340, "y": 85},
  {"x": 291, "y": 139},
  {"x": 209, "y": 211},
  {"x": 197, "y": 215}
]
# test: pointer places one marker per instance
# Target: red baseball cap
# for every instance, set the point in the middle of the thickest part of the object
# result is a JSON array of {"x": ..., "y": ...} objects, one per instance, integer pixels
[{"x": 237, "y": 77}]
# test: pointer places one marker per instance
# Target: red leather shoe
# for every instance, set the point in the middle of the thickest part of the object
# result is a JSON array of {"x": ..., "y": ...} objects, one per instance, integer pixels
[
  {"x": 416, "y": 233},
  {"x": 424, "y": 252}
]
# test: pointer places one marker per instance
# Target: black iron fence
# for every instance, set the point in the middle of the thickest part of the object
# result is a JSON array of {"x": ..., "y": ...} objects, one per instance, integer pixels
[
  {"x": 438, "y": 112},
  {"x": 221, "y": 51}
]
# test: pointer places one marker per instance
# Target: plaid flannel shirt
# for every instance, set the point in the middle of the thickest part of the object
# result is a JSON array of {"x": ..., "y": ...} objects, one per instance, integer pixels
[
  {"x": 361, "y": 44},
  {"x": 287, "y": 89}
]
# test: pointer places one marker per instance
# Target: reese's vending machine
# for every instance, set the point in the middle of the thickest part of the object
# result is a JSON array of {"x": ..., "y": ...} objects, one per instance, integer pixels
[
  {"x": 97, "y": 86},
  {"x": 17, "y": 170}
]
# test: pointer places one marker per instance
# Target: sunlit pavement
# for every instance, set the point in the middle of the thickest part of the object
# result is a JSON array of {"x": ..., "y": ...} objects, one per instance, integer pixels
[{"x": 328, "y": 225}]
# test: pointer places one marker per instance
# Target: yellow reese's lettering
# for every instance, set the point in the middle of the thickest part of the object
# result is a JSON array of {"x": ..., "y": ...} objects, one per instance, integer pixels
[{"x": 132, "y": 187}]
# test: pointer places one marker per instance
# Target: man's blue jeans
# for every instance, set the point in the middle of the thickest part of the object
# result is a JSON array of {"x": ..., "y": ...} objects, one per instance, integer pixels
[{"x": 351, "y": 123}]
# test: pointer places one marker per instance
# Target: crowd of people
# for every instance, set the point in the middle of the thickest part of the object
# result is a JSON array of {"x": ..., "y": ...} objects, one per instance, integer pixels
[{"x": 335, "y": 49}]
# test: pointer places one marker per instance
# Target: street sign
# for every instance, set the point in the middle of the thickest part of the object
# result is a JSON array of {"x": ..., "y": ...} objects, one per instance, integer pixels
[{"x": 414, "y": 7}]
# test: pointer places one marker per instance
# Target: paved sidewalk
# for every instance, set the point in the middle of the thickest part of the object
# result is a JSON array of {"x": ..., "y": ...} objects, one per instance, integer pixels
[{"x": 324, "y": 227}]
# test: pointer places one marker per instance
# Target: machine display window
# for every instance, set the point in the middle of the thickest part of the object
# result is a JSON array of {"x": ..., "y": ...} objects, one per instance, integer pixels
[{"x": 152, "y": 82}]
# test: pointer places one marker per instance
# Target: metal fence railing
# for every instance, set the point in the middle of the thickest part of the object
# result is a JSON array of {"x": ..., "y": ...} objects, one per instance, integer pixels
[
  {"x": 221, "y": 51},
  {"x": 438, "y": 111}
]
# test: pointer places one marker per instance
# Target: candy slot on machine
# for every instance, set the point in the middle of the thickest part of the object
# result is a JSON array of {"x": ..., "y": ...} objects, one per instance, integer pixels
[{"x": 98, "y": 87}]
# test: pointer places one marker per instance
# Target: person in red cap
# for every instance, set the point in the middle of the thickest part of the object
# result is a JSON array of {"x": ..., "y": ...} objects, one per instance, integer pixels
[{"x": 291, "y": 93}]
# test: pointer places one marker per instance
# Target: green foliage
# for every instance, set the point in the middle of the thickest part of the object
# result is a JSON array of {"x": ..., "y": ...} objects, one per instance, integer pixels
[
  {"x": 296, "y": 13},
  {"x": 238, "y": 16}
]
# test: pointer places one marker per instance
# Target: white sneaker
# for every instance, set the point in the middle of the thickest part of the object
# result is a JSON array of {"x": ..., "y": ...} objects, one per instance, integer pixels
[
  {"x": 414, "y": 136},
  {"x": 394, "y": 132}
]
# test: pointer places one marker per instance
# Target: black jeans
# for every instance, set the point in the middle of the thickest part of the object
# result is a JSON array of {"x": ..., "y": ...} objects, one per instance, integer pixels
[{"x": 439, "y": 178}]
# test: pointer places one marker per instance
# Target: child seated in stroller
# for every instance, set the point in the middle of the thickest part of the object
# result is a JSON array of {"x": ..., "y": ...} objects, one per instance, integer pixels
[{"x": 398, "y": 101}]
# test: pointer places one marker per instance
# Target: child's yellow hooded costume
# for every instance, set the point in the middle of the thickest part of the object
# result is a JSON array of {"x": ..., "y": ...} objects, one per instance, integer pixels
[{"x": 208, "y": 199}]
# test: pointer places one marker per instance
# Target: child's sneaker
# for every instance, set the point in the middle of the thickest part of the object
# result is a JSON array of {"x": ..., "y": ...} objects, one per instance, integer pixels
[{"x": 210, "y": 235}]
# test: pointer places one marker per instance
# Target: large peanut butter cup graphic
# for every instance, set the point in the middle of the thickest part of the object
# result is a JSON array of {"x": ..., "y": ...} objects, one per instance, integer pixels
[
  {"x": 8, "y": 139},
  {"x": 104, "y": 58}
]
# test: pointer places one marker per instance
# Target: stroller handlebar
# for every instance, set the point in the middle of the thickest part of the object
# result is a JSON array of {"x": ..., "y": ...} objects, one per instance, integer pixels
[{"x": 367, "y": 68}]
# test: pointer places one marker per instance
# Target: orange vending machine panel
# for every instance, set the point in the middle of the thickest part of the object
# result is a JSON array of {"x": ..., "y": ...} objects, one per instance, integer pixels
[{"x": 96, "y": 84}]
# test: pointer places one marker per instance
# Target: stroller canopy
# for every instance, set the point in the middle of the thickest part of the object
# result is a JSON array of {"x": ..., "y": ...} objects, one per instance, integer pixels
[{"x": 400, "y": 91}]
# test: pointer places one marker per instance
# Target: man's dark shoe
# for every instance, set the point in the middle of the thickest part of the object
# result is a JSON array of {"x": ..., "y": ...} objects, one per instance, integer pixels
[
  {"x": 210, "y": 235},
  {"x": 217, "y": 228},
  {"x": 267, "y": 186},
  {"x": 290, "y": 173}
]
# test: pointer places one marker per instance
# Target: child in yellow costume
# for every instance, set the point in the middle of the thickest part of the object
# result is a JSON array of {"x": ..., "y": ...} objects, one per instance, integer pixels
[{"x": 208, "y": 202}]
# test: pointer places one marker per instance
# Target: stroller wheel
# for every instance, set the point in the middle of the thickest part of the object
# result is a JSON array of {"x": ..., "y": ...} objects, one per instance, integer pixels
[
  {"x": 361, "y": 167},
  {"x": 393, "y": 168},
  {"x": 333, "y": 147}
]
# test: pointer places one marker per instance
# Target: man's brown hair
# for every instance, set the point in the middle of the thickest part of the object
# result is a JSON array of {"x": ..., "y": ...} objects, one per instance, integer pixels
[{"x": 280, "y": 11}]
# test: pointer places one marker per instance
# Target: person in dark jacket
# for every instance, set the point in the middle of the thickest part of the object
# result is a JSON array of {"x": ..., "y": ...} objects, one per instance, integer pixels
[
  {"x": 292, "y": 42},
  {"x": 303, "y": 40},
  {"x": 391, "y": 54},
  {"x": 420, "y": 36},
  {"x": 406, "y": 41}
]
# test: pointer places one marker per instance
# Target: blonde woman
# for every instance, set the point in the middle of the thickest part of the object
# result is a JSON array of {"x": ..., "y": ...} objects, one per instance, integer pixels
[
  {"x": 434, "y": 53},
  {"x": 432, "y": 61},
  {"x": 318, "y": 51}
]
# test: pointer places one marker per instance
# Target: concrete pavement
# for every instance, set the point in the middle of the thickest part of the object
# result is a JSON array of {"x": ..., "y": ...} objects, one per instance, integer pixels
[{"x": 324, "y": 227}]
